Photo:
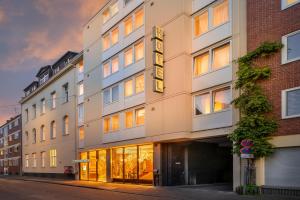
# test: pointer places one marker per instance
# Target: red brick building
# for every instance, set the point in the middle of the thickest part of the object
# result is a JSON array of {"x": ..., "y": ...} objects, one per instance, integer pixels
[
  {"x": 279, "y": 20},
  {"x": 11, "y": 146}
]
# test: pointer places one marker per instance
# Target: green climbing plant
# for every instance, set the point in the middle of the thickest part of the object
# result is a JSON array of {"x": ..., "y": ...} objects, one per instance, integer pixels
[{"x": 253, "y": 104}]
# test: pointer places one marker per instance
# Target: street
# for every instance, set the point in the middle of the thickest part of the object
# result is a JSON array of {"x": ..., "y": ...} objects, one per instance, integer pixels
[{"x": 24, "y": 190}]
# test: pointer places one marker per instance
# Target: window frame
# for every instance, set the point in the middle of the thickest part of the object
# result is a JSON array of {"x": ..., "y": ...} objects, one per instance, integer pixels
[
  {"x": 284, "y": 39},
  {"x": 284, "y": 103},
  {"x": 285, "y": 5},
  {"x": 211, "y": 100}
]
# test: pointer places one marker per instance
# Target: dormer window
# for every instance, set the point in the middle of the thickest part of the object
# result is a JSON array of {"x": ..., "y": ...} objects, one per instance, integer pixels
[
  {"x": 56, "y": 70},
  {"x": 44, "y": 78}
]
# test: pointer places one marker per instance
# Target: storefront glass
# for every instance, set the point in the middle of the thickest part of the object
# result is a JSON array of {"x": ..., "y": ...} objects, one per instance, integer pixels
[
  {"x": 130, "y": 163},
  {"x": 83, "y": 167},
  {"x": 146, "y": 162},
  {"x": 102, "y": 165},
  {"x": 92, "y": 166},
  {"x": 117, "y": 163}
]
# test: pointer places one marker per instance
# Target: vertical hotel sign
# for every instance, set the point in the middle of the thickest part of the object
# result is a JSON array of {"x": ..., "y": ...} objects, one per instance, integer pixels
[{"x": 158, "y": 59}]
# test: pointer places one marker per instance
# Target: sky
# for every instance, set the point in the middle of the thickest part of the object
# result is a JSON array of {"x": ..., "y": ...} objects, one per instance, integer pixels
[{"x": 34, "y": 33}]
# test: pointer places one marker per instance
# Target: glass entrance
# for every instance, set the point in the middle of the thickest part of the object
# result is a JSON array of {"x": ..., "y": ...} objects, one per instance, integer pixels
[
  {"x": 83, "y": 167},
  {"x": 101, "y": 165},
  {"x": 92, "y": 166}
]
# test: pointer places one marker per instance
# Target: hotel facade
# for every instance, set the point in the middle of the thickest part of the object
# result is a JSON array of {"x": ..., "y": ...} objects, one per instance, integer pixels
[
  {"x": 49, "y": 119},
  {"x": 158, "y": 81}
]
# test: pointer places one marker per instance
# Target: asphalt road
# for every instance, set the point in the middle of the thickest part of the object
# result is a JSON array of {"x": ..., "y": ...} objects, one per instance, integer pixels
[{"x": 29, "y": 190}]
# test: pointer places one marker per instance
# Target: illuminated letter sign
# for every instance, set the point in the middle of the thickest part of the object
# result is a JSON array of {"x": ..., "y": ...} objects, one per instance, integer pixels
[{"x": 158, "y": 59}]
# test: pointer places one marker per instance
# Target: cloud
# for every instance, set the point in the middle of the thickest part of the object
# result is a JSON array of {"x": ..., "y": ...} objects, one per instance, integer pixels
[{"x": 2, "y": 16}]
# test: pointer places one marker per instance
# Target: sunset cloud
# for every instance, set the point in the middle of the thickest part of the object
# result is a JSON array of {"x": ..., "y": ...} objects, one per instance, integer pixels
[{"x": 2, "y": 16}]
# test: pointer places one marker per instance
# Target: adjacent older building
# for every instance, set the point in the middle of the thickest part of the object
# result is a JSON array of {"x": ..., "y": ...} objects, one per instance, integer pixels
[
  {"x": 157, "y": 89},
  {"x": 49, "y": 119},
  {"x": 11, "y": 146},
  {"x": 279, "y": 21}
]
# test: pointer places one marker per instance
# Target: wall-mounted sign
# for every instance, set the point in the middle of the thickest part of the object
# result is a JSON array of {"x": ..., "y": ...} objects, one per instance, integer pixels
[
  {"x": 158, "y": 59},
  {"x": 81, "y": 161},
  {"x": 247, "y": 150}
]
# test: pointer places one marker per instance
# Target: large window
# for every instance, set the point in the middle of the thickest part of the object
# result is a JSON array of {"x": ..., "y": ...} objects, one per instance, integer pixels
[
  {"x": 115, "y": 65},
  {"x": 34, "y": 161},
  {"x": 102, "y": 165},
  {"x": 128, "y": 57},
  {"x": 291, "y": 48},
  {"x": 212, "y": 59},
  {"x": 291, "y": 103},
  {"x": 66, "y": 125},
  {"x": 80, "y": 113},
  {"x": 112, "y": 10},
  {"x": 115, "y": 93},
  {"x": 129, "y": 119},
  {"x": 128, "y": 25},
  {"x": 81, "y": 134},
  {"x": 53, "y": 130},
  {"x": 33, "y": 136},
  {"x": 288, "y": 3},
  {"x": 139, "y": 18},
  {"x": 111, "y": 95},
  {"x": 106, "y": 69},
  {"x": 130, "y": 164},
  {"x": 139, "y": 84},
  {"x": 43, "y": 106},
  {"x": 212, "y": 101},
  {"x": 139, "y": 50},
  {"x": 80, "y": 89},
  {"x": 128, "y": 88},
  {"x": 215, "y": 15},
  {"x": 115, "y": 36},
  {"x": 26, "y": 160},
  {"x": 33, "y": 111},
  {"x": 84, "y": 166},
  {"x": 106, "y": 125},
  {"x": 140, "y": 116},
  {"x": 53, "y": 157},
  {"x": 117, "y": 163},
  {"x": 92, "y": 166},
  {"x": 115, "y": 124},
  {"x": 146, "y": 162},
  {"x": 66, "y": 92},
  {"x": 43, "y": 134},
  {"x": 53, "y": 100},
  {"x": 106, "y": 42}
]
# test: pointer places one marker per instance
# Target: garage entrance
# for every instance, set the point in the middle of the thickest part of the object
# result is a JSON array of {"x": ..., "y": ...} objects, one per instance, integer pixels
[{"x": 206, "y": 161}]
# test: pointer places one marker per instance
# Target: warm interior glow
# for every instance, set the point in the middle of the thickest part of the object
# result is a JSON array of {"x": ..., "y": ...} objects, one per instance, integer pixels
[
  {"x": 202, "y": 104},
  {"x": 140, "y": 116},
  {"x": 222, "y": 99},
  {"x": 81, "y": 133},
  {"x": 130, "y": 162},
  {"x": 106, "y": 70},
  {"x": 220, "y": 13},
  {"x": 201, "y": 64},
  {"x": 146, "y": 162},
  {"x": 102, "y": 165},
  {"x": 128, "y": 57},
  {"x": 115, "y": 122},
  {"x": 106, "y": 125},
  {"x": 139, "y": 83},
  {"x": 105, "y": 15},
  {"x": 128, "y": 25},
  {"x": 105, "y": 42},
  {"x": 129, "y": 119},
  {"x": 92, "y": 166},
  {"x": 128, "y": 88},
  {"x": 115, "y": 36},
  {"x": 83, "y": 167},
  {"x": 201, "y": 24},
  {"x": 139, "y": 51},
  {"x": 139, "y": 18},
  {"x": 115, "y": 65},
  {"x": 221, "y": 56},
  {"x": 117, "y": 163},
  {"x": 291, "y": 1}
]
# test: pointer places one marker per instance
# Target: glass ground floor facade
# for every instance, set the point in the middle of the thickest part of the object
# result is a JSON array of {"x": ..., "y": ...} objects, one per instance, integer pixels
[{"x": 122, "y": 164}]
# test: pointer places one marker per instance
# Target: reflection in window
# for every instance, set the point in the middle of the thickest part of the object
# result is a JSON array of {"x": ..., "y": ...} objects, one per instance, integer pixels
[
  {"x": 130, "y": 162},
  {"x": 202, "y": 104},
  {"x": 201, "y": 24},
  {"x": 106, "y": 96},
  {"x": 117, "y": 163},
  {"x": 293, "y": 102},
  {"x": 201, "y": 64},
  {"x": 221, "y": 56},
  {"x": 102, "y": 165},
  {"x": 115, "y": 93},
  {"x": 293, "y": 46},
  {"x": 221, "y": 99},
  {"x": 220, "y": 13},
  {"x": 146, "y": 162}
]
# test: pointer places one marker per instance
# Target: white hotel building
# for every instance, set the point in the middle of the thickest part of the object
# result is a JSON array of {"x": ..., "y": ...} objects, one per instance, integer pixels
[{"x": 129, "y": 131}]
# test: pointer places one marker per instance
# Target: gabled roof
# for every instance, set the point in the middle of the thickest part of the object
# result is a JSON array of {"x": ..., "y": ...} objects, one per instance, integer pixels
[
  {"x": 30, "y": 85},
  {"x": 42, "y": 70}
]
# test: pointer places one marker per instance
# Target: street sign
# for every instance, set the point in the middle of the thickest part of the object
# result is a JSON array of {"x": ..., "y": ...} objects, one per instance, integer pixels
[{"x": 81, "y": 161}]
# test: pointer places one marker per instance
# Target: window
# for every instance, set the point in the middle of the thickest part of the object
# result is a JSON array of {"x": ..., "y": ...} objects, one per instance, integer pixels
[
  {"x": 26, "y": 115},
  {"x": 128, "y": 88},
  {"x": 66, "y": 125},
  {"x": 115, "y": 64},
  {"x": 115, "y": 36},
  {"x": 220, "y": 13},
  {"x": 201, "y": 24},
  {"x": 53, "y": 158},
  {"x": 115, "y": 93},
  {"x": 80, "y": 113},
  {"x": 140, "y": 116},
  {"x": 80, "y": 67},
  {"x": 43, "y": 156},
  {"x": 33, "y": 111},
  {"x": 34, "y": 163},
  {"x": 106, "y": 69},
  {"x": 53, "y": 130},
  {"x": 201, "y": 65},
  {"x": 110, "y": 12},
  {"x": 139, "y": 51},
  {"x": 26, "y": 137},
  {"x": 128, "y": 26},
  {"x": 129, "y": 119},
  {"x": 221, "y": 99},
  {"x": 221, "y": 56},
  {"x": 33, "y": 136},
  {"x": 139, "y": 18},
  {"x": 80, "y": 89},
  {"x": 115, "y": 122},
  {"x": 43, "y": 134},
  {"x": 16, "y": 136},
  {"x": 106, "y": 96},
  {"x": 44, "y": 78},
  {"x": 114, "y": 8},
  {"x": 66, "y": 92},
  {"x": 139, "y": 84},
  {"x": 291, "y": 103},
  {"x": 53, "y": 100},
  {"x": 106, "y": 125},
  {"x": 105, "y": 16},
  {"x": 128, "y": 57},
  {"x": 43, "y": 106},
  {"x": 106, "y": 42},
  {"x": 291, "y": 48},
  {"x": 288, "y": 3},
  {"x": 26, "y": 160},
  {"x": 81, "y": 133}
]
